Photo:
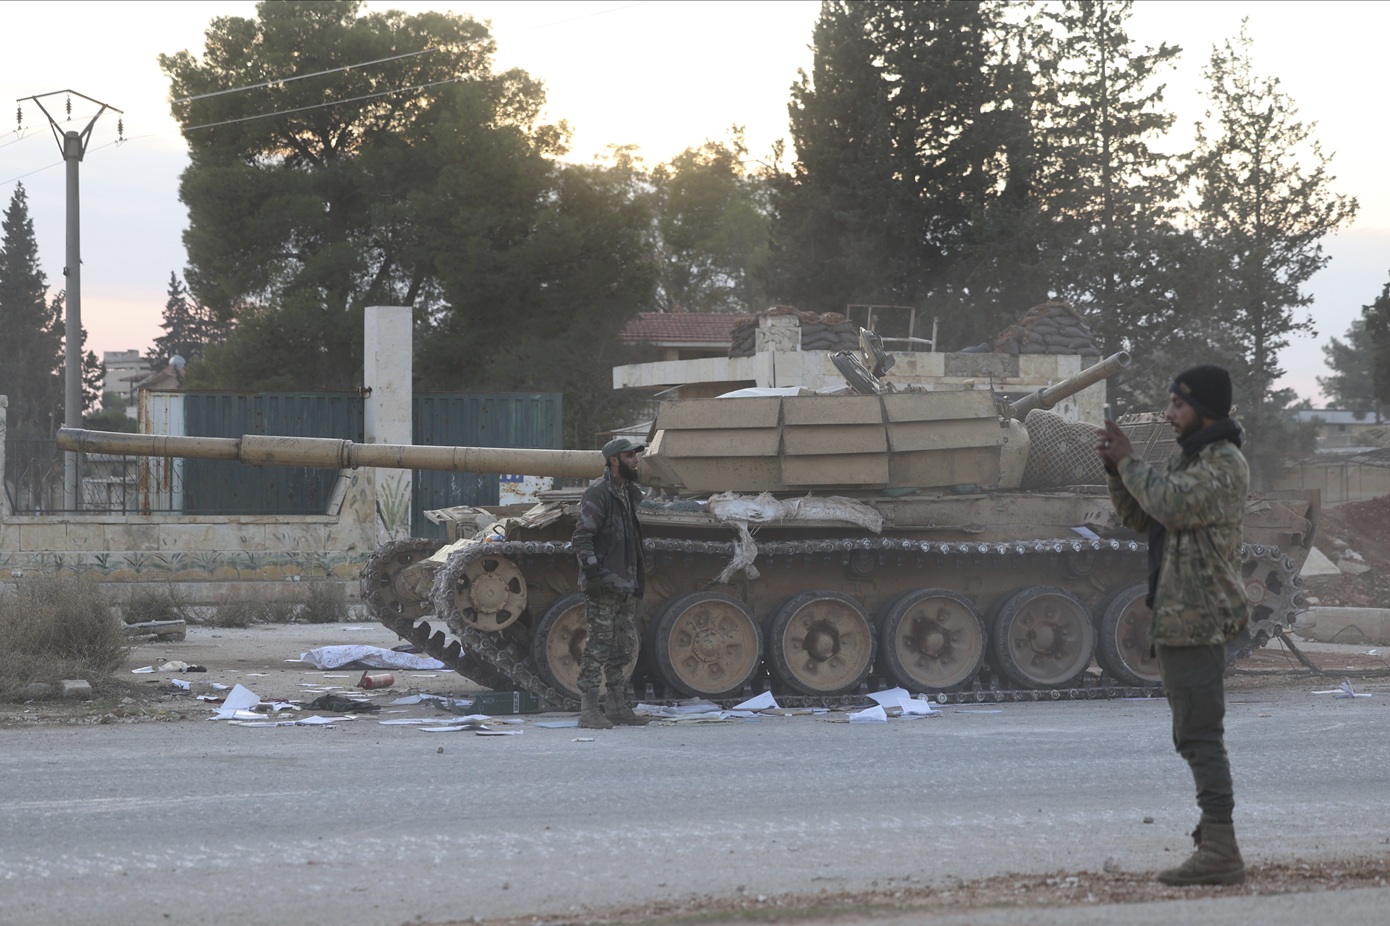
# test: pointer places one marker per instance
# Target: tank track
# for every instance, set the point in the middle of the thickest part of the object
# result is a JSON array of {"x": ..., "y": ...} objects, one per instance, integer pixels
[
  {"x": 1282, "y": 604},
  {"x": 502, "y": 664}
]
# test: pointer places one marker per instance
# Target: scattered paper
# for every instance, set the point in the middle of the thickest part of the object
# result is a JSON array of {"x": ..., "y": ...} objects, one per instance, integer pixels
[
  {"x": 762, "y": 702},
  {"x": 875, "y": 714},
  {"x": 183, "y": 683},
  {"x": 376, "y": 657},
  {"x": 315, "y": 721},
  {"x": 904, "y": 702},
  {"x": 1343, "y": 691},
  {"x": 143, "y": 670}
]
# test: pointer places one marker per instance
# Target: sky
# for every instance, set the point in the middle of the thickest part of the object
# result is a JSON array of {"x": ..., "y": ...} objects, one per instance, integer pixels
[{"x": 662, "y": 76}]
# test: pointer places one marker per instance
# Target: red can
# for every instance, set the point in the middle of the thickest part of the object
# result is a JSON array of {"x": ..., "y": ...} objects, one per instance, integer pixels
[{"x": 376, "y": 680}]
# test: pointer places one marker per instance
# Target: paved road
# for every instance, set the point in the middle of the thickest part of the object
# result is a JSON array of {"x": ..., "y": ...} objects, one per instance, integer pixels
[{"x": 364, "y": 824}]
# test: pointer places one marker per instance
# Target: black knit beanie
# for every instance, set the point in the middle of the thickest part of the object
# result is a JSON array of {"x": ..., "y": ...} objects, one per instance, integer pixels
[{"x": 1207, "y": 388}]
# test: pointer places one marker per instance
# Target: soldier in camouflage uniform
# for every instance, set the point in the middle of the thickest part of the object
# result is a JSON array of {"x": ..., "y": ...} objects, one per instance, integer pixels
[
  {"x": 1193, "y": 512},
  {"x": 608, "y": 544}
]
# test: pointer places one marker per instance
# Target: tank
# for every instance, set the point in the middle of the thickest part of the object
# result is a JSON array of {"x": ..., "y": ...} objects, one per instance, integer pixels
[{"x": 945, "y": 541}]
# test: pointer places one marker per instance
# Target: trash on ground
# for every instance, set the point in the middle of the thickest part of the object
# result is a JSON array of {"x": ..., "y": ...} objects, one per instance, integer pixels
[
  {"x": 371, "y": 657},
  {"x": 875, "y": 714},
  {"x": 762, "y": 702},
  {"x": 906, "y": 705},
  {"x": 1343, "y": 691},
  {"x": 335, "y": 702}
]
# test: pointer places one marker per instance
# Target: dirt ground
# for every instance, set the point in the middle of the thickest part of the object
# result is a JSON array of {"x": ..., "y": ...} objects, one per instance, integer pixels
[
  {"x": 1033, "y": 891},
  {"x": 1364, "y": 529}
]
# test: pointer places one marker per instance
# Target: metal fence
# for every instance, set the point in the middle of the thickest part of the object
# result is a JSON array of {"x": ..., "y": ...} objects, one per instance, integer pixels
[{"x": 33, "y": 480}]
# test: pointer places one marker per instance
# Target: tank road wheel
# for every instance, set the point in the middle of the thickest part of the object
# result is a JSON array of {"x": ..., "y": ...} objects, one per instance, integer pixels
[
  {"x": 1042, "y": 638},
  {"x": 557, "y": 646},
  {"x": 1124, "y": 647},
  {"x": 706, "y": 644},
  {"x": 931, "y": 639},
  {"x": 394, "y": 581},
  {"x": 491, "y": 592},
  {"x": 821, "y": 643}
]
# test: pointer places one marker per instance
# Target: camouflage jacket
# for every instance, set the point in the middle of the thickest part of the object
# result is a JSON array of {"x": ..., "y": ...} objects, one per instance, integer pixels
[
  {"x": 1199, "y": 501},
  {"x": 609, "y": 532}
]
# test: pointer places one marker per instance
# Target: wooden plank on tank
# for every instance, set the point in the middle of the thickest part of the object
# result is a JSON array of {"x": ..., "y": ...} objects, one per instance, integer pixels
[
  {"x": 835, "y": 469},
  {"x": 831, "y": 409},
  {"x": 971, "y": 466},
  {"x": 696, "y": 414},
  {"x": 836, "y": 438},
  {"x": 721, "y": 442},
  {"x": 935, "y": 406},
  {"x": 945, "y": 435},
  {"x": 718, "y": 474}
]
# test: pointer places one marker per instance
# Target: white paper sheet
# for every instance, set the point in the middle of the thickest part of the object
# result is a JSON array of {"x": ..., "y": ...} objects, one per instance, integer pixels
[
  {"x": 762, "y": 702},
  {"x": 331, "y": 657}
]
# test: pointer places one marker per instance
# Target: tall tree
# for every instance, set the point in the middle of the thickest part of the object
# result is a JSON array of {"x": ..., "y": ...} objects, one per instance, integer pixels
[
  {"x": 913, "y": 172},
  {"x": 1109, "y": 193},
  {"x": 1264, "y": 205},
  {"x": 1377, "y": 320},
  {"x": 582, "y": 270},
  {"x": 326, "y": 145},
  {"x": 711, "y": 230},
  {"x": 189, "y": 328},
  {"x": 1351, "y": 384},
  {"x": 31, "y": 348}
]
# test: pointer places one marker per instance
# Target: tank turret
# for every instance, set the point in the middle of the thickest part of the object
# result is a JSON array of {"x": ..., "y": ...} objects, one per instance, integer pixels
[{"x": 852, "y": 443}]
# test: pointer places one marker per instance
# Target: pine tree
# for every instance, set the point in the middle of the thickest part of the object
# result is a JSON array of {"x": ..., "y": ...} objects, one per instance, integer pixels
[
  {"x": 914, "y": 167},
  {"x": 1110, "y": 195},
  {"x": 189, "y": 328},
  {"x": 1377, "y": 319},
  {"x": 31, "y": 348},
  {"x": 1351, "y": 384},
  {"x": 1264, "y": 206}
]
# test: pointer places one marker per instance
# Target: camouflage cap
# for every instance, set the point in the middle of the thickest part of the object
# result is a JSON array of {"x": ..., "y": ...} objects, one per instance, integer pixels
[{"x": 621, "y": 445}]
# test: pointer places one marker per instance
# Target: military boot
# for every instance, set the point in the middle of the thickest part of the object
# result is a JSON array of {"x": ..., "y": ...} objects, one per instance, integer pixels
[
  {"x": 1216, "y": 861},
  {"x": 619, "y": 711},
  {"x": 590, "y": 717}
]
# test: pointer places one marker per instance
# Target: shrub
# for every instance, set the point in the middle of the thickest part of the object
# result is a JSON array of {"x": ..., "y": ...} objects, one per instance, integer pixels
[
  {"x": 52, "y": 629},
  {"x": 325, "y": 603},
  {"x": 156, "y": 604}
]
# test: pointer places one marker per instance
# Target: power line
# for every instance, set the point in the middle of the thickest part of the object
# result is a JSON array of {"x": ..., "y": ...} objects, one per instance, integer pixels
[
  {"x": 281, "y": 112},
  {"x": 286, "y": 80}
]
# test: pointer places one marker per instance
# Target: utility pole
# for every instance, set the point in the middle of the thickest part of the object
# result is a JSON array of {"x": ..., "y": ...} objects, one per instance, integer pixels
[{"x": 73, "y": 145}]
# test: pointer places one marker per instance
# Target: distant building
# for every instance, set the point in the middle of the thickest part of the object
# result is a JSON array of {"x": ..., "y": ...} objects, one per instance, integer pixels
[
  {"x": 684, "y": 335},
  {"x": 124, "y": 368},
  {"x": 1339, "y": 428}
]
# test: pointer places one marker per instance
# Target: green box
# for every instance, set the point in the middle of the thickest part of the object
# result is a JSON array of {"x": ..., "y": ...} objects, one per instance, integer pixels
[{"x": 505, "y": 702}]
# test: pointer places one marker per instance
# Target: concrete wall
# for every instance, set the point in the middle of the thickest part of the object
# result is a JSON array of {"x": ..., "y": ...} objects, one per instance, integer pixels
[{"x": 1340, "y": 480}]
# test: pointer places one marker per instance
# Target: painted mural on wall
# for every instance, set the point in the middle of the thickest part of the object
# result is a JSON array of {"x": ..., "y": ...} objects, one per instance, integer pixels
[{"x": 393, "y": 492}]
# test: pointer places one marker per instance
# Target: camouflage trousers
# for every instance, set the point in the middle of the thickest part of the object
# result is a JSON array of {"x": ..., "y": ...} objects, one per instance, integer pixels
[
  {"x": 1192, "y": 679},
  {"x": 610, "y": 638}
]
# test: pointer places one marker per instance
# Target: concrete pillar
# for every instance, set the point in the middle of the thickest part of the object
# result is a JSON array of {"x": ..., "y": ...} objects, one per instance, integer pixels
[{"x": 386, "y": 376}]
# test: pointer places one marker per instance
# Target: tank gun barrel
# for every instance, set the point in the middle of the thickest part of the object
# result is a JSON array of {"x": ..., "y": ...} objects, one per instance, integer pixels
[
  {"x": 330, "y": 453},
  {"x": 1049, "y": 396}
]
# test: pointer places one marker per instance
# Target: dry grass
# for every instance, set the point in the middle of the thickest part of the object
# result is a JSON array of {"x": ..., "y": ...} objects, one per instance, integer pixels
[
  {"x": 311, "y": 603},
  {"x": 55, "y": 629},
  {"x": 155, "y": 604}
]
